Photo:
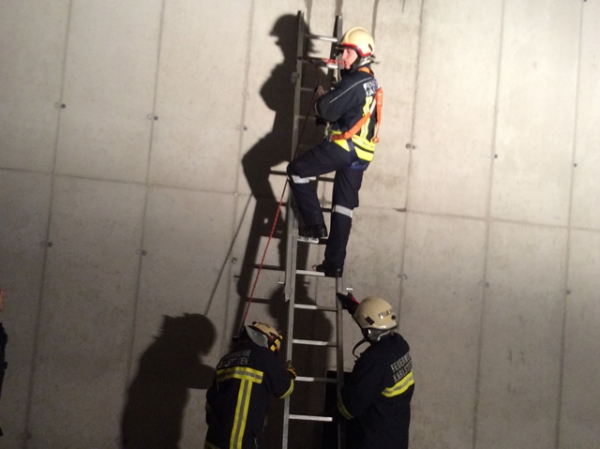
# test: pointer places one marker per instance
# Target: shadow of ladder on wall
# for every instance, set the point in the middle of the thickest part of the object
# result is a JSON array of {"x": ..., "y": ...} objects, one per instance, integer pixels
[{"x": 291, "y": 271}]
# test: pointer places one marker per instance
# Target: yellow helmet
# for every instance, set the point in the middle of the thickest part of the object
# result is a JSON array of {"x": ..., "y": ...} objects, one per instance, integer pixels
[
  {"x": 360, "y": 40},
  {"x": 264, "y": 335},
  {"x": 375, "y": 313}
]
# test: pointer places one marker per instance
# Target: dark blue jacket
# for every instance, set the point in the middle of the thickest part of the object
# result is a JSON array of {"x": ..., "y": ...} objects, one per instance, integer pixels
[
  {"x": 236, "y": 403},
  {"x": 378, "y": 394}
]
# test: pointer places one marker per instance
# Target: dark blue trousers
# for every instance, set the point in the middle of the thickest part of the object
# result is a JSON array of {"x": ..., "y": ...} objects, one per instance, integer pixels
[{"x": 325, "y": 158}]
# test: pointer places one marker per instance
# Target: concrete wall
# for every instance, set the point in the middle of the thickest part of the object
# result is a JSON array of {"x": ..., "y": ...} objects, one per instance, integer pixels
[{"x": 136, "y": 197}]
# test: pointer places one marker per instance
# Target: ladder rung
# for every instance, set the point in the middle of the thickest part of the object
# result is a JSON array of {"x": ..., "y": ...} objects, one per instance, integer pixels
[
  {"x": 313, "y": 342},
  {"x": 312, "y": 418},
  {"x": 260, "y": 300},
  {"x": 307, "y": 89},
  {"x": 309, "y": 273},
  {"x": 306, "y": 117},
  {"x": 271, "y": 267},
  {"x": 322, "y": 62},
  {"x": 322, "y": 38},
  {"x": 311, "y": 240},
  {"x": 315, "y": 307},
  {"x": 316, "y": 379}
]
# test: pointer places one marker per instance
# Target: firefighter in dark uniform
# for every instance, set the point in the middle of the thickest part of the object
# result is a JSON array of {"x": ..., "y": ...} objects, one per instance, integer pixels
[
  {"x": 236, "y": 403},
  {"x": 352, "y": 109},
  {"x": 381, "y": 385}
]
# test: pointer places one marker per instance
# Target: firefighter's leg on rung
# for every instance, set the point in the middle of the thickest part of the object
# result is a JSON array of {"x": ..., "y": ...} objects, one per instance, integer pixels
[
  {"x": 323, "y": 158},
  {"x": 345, "y": 198}
]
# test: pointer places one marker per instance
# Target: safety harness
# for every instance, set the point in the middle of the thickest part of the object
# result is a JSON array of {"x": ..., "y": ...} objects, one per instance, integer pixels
[{"x": 361, "y": 142}]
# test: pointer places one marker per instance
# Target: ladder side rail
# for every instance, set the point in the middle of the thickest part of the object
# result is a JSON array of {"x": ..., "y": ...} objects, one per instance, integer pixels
[
  {"x": 340, "y": 284},
  {"x": 341, "y": 427},
  {"x": 292, "y": 228}
]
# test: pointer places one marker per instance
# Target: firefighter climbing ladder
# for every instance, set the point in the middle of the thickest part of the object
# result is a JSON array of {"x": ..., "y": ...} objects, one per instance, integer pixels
[{"x": 291, "y": 271}]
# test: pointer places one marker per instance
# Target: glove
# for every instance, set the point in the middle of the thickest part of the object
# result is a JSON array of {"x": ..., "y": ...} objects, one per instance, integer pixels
[
  {"x": 348, "y": 301},
  {"x": 291, "y": 369}
]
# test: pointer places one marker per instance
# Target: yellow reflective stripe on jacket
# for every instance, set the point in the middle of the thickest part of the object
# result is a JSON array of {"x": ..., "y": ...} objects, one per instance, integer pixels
[
  {"x": 247, "y": 376},
  {"x": 342, "y": 143},
  {"x": 367, "y": 110},
  {"x": 240, "y": 372},
  {"x": 241, "y": 414},
  {"x": 364, "y": 149},
  {"x": 400, "y": 387},
  {"x": 343, "y": 410},
  {"x": 208, "y": 445}
]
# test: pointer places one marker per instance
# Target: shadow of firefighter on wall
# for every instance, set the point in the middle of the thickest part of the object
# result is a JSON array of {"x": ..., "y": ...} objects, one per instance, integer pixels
[
  {"x": 270, "y": 151},
  {"x": 156, "y": 398}
]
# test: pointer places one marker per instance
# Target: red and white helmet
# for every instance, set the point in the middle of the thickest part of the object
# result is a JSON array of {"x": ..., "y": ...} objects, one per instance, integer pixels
[{"x": 360, "y": 40}]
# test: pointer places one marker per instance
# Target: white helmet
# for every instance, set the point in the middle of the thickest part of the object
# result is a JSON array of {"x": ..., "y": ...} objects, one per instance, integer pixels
[{"x": 375, "y": 318}]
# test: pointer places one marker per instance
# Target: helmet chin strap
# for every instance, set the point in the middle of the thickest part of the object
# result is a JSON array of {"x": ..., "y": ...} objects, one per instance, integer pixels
[
  {"x": 371, "y": 336},
  {"x": 360, "y": 62},
  {"x": 360, "y": 343}
]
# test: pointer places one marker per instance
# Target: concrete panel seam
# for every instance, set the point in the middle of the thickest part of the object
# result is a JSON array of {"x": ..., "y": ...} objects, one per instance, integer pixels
[
  {"x": 244, "y": 103},
  {"x": 412, "y": 135},
  {"x": 141, "y": 251},
  {"x": 488, "y": 219},
  {"x": 36, "y": 329},
  {"x": 569, "y": 231}
]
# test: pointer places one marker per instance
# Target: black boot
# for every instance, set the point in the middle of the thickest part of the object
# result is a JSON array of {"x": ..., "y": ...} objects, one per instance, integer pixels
[
  {"x": 313, "y": 231},
  {"x": 330, "y": 271}
]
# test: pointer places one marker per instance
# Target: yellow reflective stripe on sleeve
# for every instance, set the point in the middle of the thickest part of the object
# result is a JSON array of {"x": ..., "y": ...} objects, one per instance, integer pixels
[
  {"x": 342, "y": 408},
  {"x": 289, "y": 390},
  {"x": 400, "y": 387},
  {"x": 240, "y": 372},
  {"x": 208, "y": 445},
  {"x": 241, "y": 414}
]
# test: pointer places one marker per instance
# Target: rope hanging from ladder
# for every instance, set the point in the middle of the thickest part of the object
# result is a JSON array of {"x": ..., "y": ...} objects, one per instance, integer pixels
[{"x": 277, "y": 213}]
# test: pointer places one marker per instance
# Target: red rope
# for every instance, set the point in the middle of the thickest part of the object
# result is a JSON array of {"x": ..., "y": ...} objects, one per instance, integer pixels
[
  {"x": 277, "y": 213},
  {"x": 264, "y": 254}
]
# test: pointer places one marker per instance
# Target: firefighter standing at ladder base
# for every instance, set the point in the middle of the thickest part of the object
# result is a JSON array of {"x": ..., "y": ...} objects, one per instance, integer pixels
[
  {"x": 236, "y": 403},
  {"x": 381, "y": 384},
  {"x": 353, "y": 109}
]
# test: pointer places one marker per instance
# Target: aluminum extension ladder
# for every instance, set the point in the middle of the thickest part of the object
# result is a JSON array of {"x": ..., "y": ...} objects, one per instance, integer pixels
[{"x": 291, "y": 271}]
